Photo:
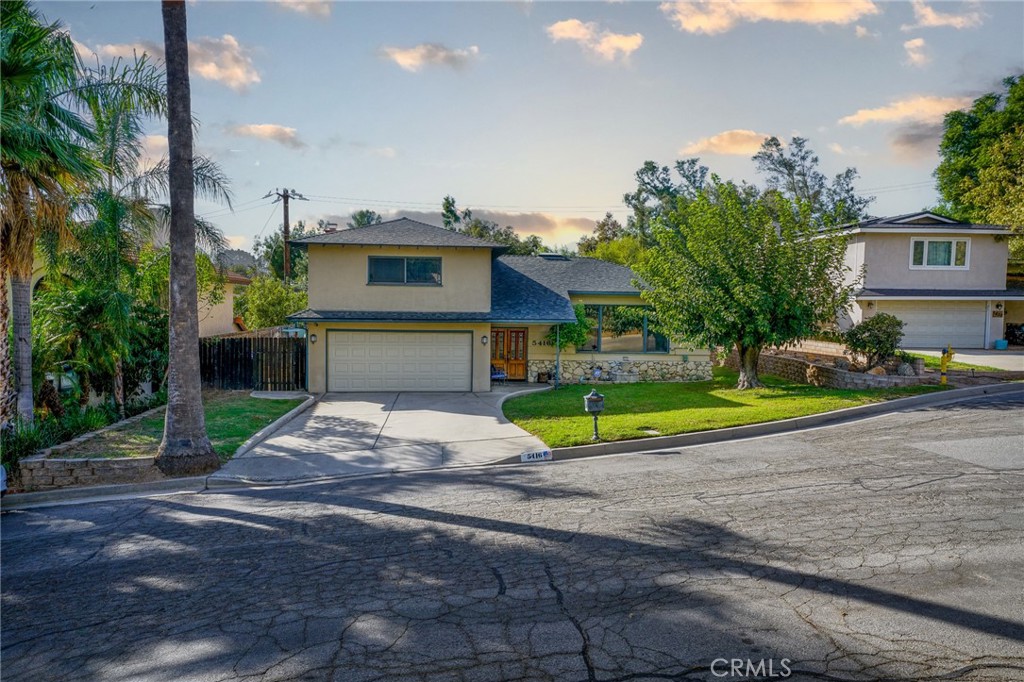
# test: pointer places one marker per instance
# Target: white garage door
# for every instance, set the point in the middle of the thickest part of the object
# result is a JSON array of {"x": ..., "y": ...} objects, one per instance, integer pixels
[
  {"x": 934, "y": 324},
  {"x": 399, "y": 361}
]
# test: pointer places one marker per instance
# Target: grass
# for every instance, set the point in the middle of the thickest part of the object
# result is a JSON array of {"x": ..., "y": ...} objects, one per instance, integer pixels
[
  {"x": 231, "y": 417},
  {"x": 645, "y": 410},
  {"x": 932, "y": 362}
]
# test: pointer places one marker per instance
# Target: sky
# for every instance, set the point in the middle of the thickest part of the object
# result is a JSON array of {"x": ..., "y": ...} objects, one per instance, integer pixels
[{"x": 538, "y": 114}]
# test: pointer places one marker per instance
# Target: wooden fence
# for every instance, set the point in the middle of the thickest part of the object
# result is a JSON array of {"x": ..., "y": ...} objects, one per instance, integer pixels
[{"x": 259, "y": 364}]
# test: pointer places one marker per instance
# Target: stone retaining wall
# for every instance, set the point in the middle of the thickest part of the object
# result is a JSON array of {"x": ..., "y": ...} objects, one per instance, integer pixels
[
  {"x": 40, "y": 473},
  {"x": 804, "y": 372},
  {"x": 672, "y": 368}
]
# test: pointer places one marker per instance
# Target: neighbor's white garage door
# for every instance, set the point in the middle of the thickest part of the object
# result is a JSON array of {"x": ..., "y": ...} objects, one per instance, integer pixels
[
  {"x": 934, "y": 324},
  {"x": 399, "y": 361}
]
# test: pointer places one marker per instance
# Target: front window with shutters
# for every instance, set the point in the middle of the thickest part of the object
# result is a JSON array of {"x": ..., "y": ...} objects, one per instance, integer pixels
[{"x": 941, "y": 254}]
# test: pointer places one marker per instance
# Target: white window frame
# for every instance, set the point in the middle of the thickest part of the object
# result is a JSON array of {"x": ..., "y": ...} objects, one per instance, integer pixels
[{"x": 953, "y": 240}]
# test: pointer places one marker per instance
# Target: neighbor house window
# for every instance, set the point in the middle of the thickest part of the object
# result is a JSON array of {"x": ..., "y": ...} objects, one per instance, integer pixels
[
  {"x": 940, "y": 253},
  {"x": 623, "y": 329},
  {"x": 402, "y": 270}
]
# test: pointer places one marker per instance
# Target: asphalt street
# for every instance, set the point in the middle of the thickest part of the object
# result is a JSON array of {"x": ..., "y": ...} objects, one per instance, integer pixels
[{"x": 890, "y": 548}]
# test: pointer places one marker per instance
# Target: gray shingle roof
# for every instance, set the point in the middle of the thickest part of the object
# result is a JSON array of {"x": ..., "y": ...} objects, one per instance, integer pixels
[
  {"x": 398, "y": 232},
  {"x": 575, "y": 275},
  {"x": 999, "y": 294},
  {"x": 936, "y": 222}
]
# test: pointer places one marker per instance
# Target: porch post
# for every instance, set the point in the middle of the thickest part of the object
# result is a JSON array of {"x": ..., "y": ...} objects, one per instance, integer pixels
[{"x": 558, "y": 354}]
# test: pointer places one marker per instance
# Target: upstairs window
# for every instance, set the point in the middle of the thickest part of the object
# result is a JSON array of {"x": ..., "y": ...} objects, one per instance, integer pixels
[
  {"x": 404, "y": 270},
  {"x": 952, "y": 254}
]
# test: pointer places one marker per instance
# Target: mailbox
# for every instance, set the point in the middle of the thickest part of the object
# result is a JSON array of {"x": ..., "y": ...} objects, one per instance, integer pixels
[{"x": 593, "y": 401}]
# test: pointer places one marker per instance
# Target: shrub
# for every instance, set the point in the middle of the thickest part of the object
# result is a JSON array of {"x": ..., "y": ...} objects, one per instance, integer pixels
[{"x": 878, "y": 338}]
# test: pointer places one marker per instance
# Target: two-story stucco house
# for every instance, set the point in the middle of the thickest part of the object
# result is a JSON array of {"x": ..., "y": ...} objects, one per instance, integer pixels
[
  {"x": 406, "y": 306},
  {"x": 945, "y": 279}
]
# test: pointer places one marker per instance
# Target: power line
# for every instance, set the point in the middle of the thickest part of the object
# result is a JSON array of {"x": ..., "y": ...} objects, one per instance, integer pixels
[{"x": 284, "y": 196}]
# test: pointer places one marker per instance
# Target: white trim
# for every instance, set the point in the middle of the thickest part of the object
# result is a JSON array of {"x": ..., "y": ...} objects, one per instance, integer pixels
[
  {"x": 924, "y": 214},
  {"x": 988, "y": 323},
  {"x": 952, "y": 254},
  {"x": 873, "y": 297}
]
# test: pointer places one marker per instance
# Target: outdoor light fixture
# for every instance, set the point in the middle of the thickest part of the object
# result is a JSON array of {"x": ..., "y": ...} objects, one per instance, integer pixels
[
  {"x": 312, "y": 338},
  {"x": 484, "y": 339},
  {"x": 999, "y": 306}
]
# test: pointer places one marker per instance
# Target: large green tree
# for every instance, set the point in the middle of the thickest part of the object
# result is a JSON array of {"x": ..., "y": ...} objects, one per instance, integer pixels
[
  {"x": 185, "y": 448},
  {"x": 465, "y": 222},
  {"x": 267, "y": 302},
  {"x": 742, "y": 269},
  {"x": 980, "y": 175}
]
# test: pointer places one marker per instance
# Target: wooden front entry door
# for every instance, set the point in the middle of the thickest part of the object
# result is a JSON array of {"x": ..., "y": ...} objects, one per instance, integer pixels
[{"x": 508, "y": 352}]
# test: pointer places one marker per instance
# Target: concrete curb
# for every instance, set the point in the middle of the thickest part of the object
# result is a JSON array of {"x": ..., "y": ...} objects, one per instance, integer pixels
[
  {"x": 272, "y": 428},
  {"x": 516, "y": 394},
  {"x": 100, "y": 493},
  {"x": 776, "y": 427}
]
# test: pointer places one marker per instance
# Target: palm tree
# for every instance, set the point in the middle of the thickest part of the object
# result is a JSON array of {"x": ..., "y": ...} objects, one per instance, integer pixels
[
  {"x": 185, "y": 448},
  {"x": 42, "y": 159}
]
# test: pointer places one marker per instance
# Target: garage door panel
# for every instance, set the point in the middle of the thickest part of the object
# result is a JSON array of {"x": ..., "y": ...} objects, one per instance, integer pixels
[
  {"x": 399, "y": 361},
  {"x": 934, "y": 324}
]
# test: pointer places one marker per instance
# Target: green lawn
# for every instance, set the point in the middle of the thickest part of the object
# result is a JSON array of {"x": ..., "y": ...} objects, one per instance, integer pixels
[
  {"x": 932, "y": 362},
  {"x": 645, "y": 410},
  {"x": 231, "y": 417}
]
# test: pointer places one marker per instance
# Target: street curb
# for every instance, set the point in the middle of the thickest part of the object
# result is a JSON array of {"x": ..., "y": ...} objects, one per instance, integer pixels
[
  {"x": 516, "y": 394},
  {"x": 100, "y": 493},
  {"x": 776, "y": 427},
  {"x": 272, "y": 428}
]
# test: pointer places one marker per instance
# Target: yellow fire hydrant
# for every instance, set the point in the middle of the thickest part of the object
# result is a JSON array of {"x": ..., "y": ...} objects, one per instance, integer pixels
[{"x": 947, "y": 357}]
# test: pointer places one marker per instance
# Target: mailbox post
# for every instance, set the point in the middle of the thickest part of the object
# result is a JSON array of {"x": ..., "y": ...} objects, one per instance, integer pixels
[{"x": 593, "y": 403}]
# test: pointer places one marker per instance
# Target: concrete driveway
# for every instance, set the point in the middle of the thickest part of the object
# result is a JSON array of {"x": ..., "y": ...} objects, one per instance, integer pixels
[
  {"x": 346, "y": 434},
  {"x": 1009, "y": 360}
]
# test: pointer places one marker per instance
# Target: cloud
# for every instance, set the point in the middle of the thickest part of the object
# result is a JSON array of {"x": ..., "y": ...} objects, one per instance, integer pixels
[
  {"x": 284, "y": 135},
  {"x": 718, "y": 16},
  {"x": 916, "y": 141},
  {"x": 237, "y": 241},
  {"x": 863, "y": 32},
  {"x": 318, "y": 8},
  {"x": 605, "y": 44},
  {"x": 222, "y": 60},
  {"x": 929, "y": 18},
  {"x": 430, "y": 54},
  {"x": 839, "y": 149},
  {"x": 738, "y": 142},
  {"x": 154, "y": 148},
  {"x": 916, "y": 55},
  {"x": 919, "y": 108}
]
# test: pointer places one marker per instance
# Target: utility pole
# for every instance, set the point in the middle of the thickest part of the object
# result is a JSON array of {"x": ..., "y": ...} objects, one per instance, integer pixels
[{"x": 284, "y": 195}]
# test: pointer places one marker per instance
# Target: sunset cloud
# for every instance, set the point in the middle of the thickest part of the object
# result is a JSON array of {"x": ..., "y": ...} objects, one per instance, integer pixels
[
  {"x": 605, "y": 44},
  {"x": 733, "y": 142},
  {"x": 929, "y": 18},
  {"x": 289, "y": 137},
  {"x": 430, "y": 54},
  {"x": 318, "y": 8},
  {"x": 223, "y": 60},
  {"x": 916, "y": 55},
  {"x": 718, "y": 16},
  {"x": 921, "y": 109},
  {"x": 154, "y": 148}
]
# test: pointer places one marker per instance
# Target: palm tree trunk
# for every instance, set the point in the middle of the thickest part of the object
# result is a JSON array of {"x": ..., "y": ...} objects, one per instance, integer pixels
[
  {"x": 185, "y": 449},
  {"x": 119, "y": 387},
  {"x": 8, "y": 396},
  {"x": 21, "y": 299}
]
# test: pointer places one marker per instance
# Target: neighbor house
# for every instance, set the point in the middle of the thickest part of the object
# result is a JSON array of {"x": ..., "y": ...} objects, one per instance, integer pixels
[
  {"x": 216, "y": 319},
  {"x": 406, "y": 306},
  {"x": 945, "y": 279}
]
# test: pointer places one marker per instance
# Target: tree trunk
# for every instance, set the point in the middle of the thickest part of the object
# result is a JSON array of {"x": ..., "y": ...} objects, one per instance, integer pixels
[
  {"x": 748, "y": 356},
  {"x": 119, "y": 387},
  {"x": 86, "y": 389},
  {"x": 8, "y": 396},
  {"x": 21, "y": 298},
  {"x": 185, "y": 449}
]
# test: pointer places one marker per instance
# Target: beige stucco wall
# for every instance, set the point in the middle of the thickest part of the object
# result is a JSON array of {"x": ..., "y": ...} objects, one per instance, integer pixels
[
  {"x": 854, "y": 261},
  {"x": 887, "y": 264},
  {"x": 338, "y": 280},
  {"x": 317, "y": 374},
  {"x": 218, "y": 318},
  {"x": 1014, "y": 312}
]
